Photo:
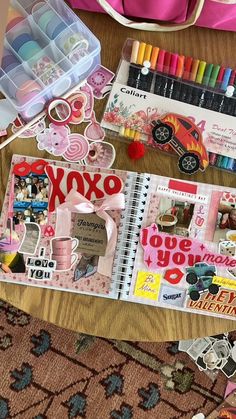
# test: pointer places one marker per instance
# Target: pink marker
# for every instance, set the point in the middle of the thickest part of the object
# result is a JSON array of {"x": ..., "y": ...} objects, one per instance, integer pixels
[{"x": 173, "y": 64}]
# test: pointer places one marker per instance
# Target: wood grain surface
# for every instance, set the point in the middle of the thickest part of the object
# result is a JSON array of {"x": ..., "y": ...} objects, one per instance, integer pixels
[{"x": 101, "y": 316}]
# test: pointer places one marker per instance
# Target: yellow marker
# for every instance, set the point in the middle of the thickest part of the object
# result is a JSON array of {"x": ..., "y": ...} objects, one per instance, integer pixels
[
  {"x": 154, "y": 57},
  {"x": 134, "y": 52},
  {"x": 122, "y": 131},
  {"x": 127, "y": 132},
  {"x": 132, "y": 133},
  {"x": 147, "y": 285},
  {"x": 200, "y": 73},
  {"x": 147, "y": 53},
  {"x": 141, "y": 51},
  {"x": 137, "y": 136}
]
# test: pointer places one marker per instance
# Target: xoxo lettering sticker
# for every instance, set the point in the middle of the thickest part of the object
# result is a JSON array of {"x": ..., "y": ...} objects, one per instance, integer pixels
[{"x": 92, "y": 185}]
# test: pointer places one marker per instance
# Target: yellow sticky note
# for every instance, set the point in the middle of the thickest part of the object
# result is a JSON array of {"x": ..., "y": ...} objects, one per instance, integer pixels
[
  {"x": 147, "y": 285},
  {"x": 224, "y": 282}
]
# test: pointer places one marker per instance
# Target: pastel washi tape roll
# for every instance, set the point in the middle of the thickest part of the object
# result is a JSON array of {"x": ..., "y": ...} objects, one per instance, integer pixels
[
  {"x": 29, "y": 50},
  {"x": 21, "y": 40},
  {"x": 78, "y": 148},
  {"x": 14, "y": 22},
  {"x": 9, "y": 61},
  {"x": 45, "y": 18},
  {"x": 55, "y": 27},
  {"x": 13, "y": 14},
  {"x": 73, "y": 42}
]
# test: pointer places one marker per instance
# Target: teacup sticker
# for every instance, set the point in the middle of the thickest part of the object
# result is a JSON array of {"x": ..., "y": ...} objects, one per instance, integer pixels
[{"x": 62, "y": 249}]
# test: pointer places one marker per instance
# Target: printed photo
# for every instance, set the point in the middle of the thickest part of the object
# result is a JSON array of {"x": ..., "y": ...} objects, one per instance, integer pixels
[
  {"x": 226, "y": 220},
  {"x": 31, "y": 187},
  {"x": 30, "y": 199},
  {"x": 11, "y": 261},
  {"x": 174, "y": 217}
]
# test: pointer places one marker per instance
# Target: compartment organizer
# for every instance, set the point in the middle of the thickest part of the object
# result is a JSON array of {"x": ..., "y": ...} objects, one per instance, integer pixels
[{"x": 47, "y": 51}]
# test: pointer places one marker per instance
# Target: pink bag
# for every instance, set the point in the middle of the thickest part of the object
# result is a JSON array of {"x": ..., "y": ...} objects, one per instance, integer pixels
[{"x": 217, "y": 14}]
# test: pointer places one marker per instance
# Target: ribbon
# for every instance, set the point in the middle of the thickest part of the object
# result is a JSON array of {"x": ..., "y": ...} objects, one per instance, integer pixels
[{"x": 75, "y": 202}]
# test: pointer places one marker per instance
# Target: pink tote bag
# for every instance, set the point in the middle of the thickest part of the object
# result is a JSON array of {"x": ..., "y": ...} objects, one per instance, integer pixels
[{"x": 180, "y": 14}]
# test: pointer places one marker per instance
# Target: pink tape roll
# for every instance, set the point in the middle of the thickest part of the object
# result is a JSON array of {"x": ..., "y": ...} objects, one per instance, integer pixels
[
  {"x": 78, "y": 148},
  {"x": 28, "y": 87}
]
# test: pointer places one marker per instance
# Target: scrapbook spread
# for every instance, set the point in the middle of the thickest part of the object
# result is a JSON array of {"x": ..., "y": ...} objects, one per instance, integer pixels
[
  {"x": 59, "y": 225},
  {"x": 124, "y": 235},
  {"x": 184, "y": 255}
]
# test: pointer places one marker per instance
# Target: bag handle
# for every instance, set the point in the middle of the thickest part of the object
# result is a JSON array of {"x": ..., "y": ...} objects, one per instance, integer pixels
[{"x": 153, "y": 26}]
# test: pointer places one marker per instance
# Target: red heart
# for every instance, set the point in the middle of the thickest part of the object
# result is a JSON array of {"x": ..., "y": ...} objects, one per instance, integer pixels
[{"x": 49, "y": 231}]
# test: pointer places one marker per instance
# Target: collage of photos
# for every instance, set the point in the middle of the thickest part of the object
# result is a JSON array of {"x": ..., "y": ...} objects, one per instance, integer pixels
[
  {"x": 174, "y": 217},
  {"x": 30, "y": 199}
]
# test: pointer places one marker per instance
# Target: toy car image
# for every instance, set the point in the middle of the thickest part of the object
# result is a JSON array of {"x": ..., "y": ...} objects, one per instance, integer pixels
[
  {"x": 203, "y": 283},
  {"x": 198, "y": 270},
  {"x": 185, "y": 138}
]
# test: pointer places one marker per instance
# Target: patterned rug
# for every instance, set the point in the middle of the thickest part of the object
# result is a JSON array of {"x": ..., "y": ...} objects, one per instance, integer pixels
[{"x": 48, "y": 372}]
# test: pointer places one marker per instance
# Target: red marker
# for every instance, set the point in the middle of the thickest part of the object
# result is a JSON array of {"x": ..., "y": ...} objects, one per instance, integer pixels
[
  {"x": 187, "y": 67},
  {"x": 173, "y": 64},
  {"x": 160, "y": 60}
]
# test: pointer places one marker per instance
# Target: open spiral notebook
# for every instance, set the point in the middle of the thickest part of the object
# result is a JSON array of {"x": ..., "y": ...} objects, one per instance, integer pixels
[{"x": 122, "y": 235}]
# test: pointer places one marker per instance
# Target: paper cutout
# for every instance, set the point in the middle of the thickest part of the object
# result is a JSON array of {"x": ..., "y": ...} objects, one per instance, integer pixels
[
  {"x": 31, "y": 132},
  {"x": 54, "y": 139},
  {"x": 49, "y": 231},
  {"x": 78, "y": 148},
  {"x": 172, "y": 295},
  {"x": 147, "y": 285},
  {"x": 94, "y": 131},
  {"x": 92, "y": 185},
  {"x": 224, "y": 282},
  {"x": 8, "y": 114},
  {"x": 185, "y": 138},
  {"x": 24, "y": 168},
  {"x": 162, "y": 250},
  {"x": 99, "y": 79},
  {"x": 173, "y": 276},
  {"x": 62, "y": 249},
  {"x": 90, "y": 230},
  {"x": 88, "y": 92},
  {"x": 78, "y": 103},
  {"x": 31, "y": 239},
  {"x": 101, "y": 154},
  {"x": 40, "y": 268}
]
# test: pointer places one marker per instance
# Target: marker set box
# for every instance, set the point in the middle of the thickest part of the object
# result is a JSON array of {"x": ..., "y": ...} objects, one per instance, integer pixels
[
  {"x": 47, "y": 51},
  {"x": 201, "y": 92}
]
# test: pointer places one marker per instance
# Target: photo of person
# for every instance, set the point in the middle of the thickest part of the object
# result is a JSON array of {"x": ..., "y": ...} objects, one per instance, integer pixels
[
  {"x": 174, "y": 217},
  {"x": 30, "y": 188},
  {"x": 30, "y": 199},
  {"x": 226, "y": 220},
  {"x": 11, "y": 261}
]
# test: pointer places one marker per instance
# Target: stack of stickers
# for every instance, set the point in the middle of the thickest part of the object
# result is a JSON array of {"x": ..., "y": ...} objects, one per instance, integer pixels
[{"x": 212, "y": 353}]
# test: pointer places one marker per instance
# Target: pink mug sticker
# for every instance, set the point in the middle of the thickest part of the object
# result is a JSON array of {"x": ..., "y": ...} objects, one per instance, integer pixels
[{"x": 62, "y": 249}]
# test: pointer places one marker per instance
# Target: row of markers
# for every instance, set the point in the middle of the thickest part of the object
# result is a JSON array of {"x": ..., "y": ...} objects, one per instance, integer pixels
[{"x": 185, "y": 79}]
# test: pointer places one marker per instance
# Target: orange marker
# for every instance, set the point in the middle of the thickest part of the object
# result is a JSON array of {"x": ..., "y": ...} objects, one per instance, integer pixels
[
  {"x": 147, "y": 53},
  {"x": 154, "y": 57},
  {"x": 194, "y": 69},
  {"x": 141, "y": 51},
  {"x": 180, "y": 66}
]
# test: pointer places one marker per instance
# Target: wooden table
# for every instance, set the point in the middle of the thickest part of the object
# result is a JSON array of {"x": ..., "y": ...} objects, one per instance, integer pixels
[{"x": 101, "y": 316}]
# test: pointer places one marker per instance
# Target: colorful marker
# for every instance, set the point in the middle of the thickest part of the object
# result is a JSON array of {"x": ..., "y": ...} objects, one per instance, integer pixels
[
  {"x": 159, "y": 80},
  {"x": 179, "y": 74},
  {"x": 133, "y": 69}
]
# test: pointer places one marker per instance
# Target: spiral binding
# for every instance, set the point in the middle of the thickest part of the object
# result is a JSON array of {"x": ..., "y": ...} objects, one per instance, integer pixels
[{"x": 136, "y": 188}]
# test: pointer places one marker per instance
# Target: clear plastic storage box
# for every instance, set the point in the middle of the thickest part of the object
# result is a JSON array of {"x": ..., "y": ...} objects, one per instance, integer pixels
[{"x": 47, "y": 51}]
